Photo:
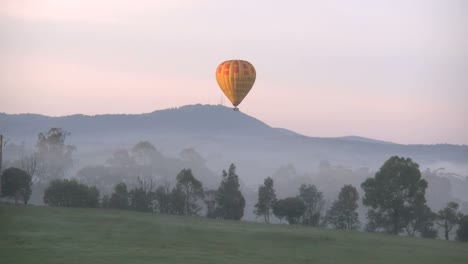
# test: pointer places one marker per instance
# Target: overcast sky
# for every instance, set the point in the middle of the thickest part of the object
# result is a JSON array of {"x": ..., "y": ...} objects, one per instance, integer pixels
[{"x": 393, "y": 70}]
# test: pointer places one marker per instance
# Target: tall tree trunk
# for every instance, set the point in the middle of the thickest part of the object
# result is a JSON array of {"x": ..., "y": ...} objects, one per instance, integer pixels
[
  {"x": 187, "y": 200},
  {"x": 446, "y": 229},
  {"x": 395, "y": 223}
]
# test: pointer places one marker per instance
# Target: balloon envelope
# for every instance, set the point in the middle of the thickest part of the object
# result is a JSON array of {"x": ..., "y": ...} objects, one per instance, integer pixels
[{"x": 235, "y": 78}]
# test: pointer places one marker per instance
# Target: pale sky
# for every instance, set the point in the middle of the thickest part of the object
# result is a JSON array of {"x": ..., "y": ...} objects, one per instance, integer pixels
[{"x": 393, "y": 70}]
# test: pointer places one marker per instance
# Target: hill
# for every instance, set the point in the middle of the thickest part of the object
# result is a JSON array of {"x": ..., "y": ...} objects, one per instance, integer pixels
[
  {"x": 65, "y": 235},
  {"x": 223, "y": 136},
  {"x": 363, "y": 139},
  {"x": 191, "y": 119}
]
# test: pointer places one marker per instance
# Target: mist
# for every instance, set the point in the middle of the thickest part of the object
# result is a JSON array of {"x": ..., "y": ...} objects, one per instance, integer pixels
[{"x": 110, "y": 149}]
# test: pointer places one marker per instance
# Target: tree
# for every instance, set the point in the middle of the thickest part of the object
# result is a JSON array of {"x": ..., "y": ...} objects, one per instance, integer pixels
[
  {"x": 70, "y": 193},
  {"x": 394, "y": 191},
  {"x": 291, "y": 208},
  {"x": 266, "y": 200},
  {"x": 428, "y": 232},
  {"x": 1, "y": 154},
  {"x": 177, "y": 201},
  {"x": 54, "y": 156},
  {"x": 420, "y": 218},
  {"x": 448, "y": 217},
  {"x": 192, "y": 190},
  {"x": 163, "y": 199},
  {"x": 140, "y": 200},
  {"x": 313, "y": 201},
  {"x": 462, "y": 232},
  {"x": 210, "y": 202},
  {"x": 342, "y": 214},
  {"x": 142, "y": 197},
  {"x": 16, "y": 184},
  {"x": 105, "y": 201},
  {"x": 120, "y": 197},
  {"x": 144, "y": 152},
  {"x": 92, "y": 197},
  {"x": 229, "y": 200},
  {"x": 121, "y": 159},
  {"x": 31, "y": 166}
]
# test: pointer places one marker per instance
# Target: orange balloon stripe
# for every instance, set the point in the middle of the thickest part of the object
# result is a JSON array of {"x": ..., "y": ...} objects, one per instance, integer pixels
[{"x": 235, "y": 78}]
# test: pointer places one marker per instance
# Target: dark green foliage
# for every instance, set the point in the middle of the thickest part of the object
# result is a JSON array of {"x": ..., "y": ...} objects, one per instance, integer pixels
[
  {"x": 291, "y": 208},
  {"x": 313, "y": 201},
  {"x": 375, "y": 220},
  {"x": 230, "y": 202},
  {"x": 428, "y": 232},
  {"x": 266, "y": 200},
  {"x": 142, "y": 197},
  {"x": 177, "y": 202},
  {"x": 105, "y": 201},
  {"x": 191, "y": 189},
  {"x": 448, "y": 217},
  {"x": 120, "y": 197},
  {"x": 419, "y": 219},
  {"x": 140, "y": 200},
  {"x": 462, "y": 232},
  {"x": 16, "y": 184},
  {"x": 392, "y": 194},
  {"x": 210, "y": 202},
  {"x": 92, "y": 198},
  {"x": 342, "y": 214},
  {"x": 70, "y": 193},
  {"x": 163, "y": 199}
]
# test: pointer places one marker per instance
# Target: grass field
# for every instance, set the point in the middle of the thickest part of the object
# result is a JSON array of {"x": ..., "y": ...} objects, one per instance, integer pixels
[{"x": 65, "y": 235}]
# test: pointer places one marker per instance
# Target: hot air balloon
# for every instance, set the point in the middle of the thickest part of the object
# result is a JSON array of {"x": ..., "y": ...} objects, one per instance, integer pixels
[{"x": 235, "y": 78}]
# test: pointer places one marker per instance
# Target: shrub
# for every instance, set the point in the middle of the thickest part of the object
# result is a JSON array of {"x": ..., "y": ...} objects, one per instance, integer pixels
[{"x": 70, "y": 193}]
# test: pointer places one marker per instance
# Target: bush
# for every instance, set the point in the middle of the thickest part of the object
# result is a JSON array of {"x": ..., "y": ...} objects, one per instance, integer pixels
[
  {"x": 70, "y": 193},
  {"x": 16, "y": 184},
  {"x": 291, "y": 208},
  {"x": 120, "y": 196},
  {"x": 462, "y": 232}
]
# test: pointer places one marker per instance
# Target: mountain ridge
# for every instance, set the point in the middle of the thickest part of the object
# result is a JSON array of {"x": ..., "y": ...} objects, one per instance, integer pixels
[
  {"x": 260, "y": 127},
  {"x": 224, "y": 136}
]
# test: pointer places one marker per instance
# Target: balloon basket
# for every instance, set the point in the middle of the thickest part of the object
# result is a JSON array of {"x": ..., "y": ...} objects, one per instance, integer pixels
[{"x": 236, "y": 109}]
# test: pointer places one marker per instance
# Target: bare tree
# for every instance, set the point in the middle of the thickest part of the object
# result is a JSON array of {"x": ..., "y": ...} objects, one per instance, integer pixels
[
  {"x": 31, "y": 165},
  {"x": 448, "y": 217},
  {"x": 142, "y": 197},
  {"x": 146, "y": 183}
]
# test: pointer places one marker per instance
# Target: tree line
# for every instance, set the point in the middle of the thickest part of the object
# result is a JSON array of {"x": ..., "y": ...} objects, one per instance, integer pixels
[
  {"x": 186, "y": 198},
  {"x": 395, "y": 195},
  {"x": 395, "y": 198}
]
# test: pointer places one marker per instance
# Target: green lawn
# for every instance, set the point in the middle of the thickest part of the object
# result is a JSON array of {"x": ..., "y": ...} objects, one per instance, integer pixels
[{"x": 65, "y": 235}]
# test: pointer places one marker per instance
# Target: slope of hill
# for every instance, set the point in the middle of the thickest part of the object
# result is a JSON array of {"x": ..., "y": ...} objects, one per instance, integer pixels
[
  {"x": 66, "y": 235},
  {"x": 223, "y": 136},
  {"x": 191, "y": 119},
  {"x": 363, "y": 139}
]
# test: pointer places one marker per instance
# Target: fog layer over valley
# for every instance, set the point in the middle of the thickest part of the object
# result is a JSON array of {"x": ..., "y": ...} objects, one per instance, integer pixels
[{"x": 155, "y": 147}]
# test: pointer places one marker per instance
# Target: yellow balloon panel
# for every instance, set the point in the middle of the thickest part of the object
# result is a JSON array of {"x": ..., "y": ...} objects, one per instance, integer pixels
[{"x": 235, "y": 78}]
